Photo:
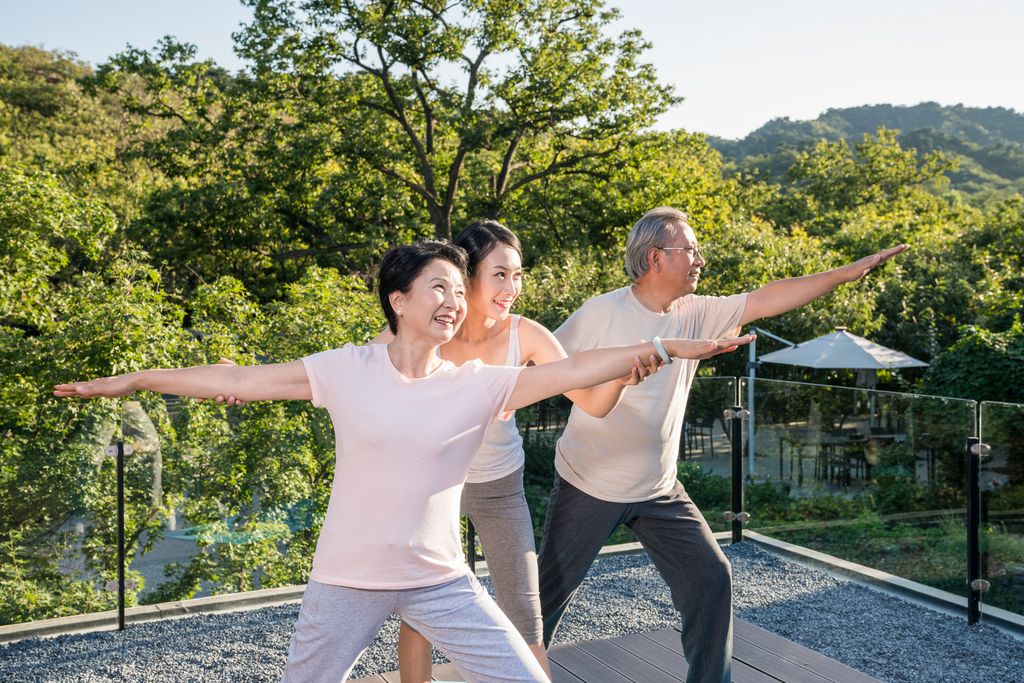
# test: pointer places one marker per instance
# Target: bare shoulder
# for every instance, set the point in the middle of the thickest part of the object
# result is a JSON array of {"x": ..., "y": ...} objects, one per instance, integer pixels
[{"x": 537, "y": 342}]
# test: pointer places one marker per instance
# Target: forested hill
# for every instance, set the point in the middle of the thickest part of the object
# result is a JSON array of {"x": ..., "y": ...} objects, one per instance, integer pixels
[{"x": 989, "y": 143}]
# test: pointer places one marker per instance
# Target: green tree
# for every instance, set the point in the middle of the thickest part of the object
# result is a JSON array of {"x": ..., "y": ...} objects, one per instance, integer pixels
[
  {"x": 571, "y": 212},
  {"x": 46, "y": 235},
  {"x": 50, "y": 122},
  {"x": 255, "y": 191},
  {"x": 832, "y": 180},
  {"x": 981, "y": 365},
  {"x": 543, "y": 91}
]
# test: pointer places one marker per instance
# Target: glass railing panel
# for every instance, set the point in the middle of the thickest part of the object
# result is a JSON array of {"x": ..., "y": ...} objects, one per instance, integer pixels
[
  {"x": 1001, "y": 485},
  {"x": 224, "y": 499},
  {"x": 871, "y": 477},
  {"x": 705, "y": 448},
  {"x": 56, "y": 485}
]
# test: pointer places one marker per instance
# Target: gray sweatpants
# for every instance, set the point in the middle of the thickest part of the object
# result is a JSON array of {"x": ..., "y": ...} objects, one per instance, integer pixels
[
  {"x": 337, "y": 623},
  {"x": 680, "y": 544},
  {"x": 501, "y": 516}
]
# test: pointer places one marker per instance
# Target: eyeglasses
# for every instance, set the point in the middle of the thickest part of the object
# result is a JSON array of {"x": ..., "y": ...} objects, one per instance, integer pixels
[{"x": 692, "y": 251}]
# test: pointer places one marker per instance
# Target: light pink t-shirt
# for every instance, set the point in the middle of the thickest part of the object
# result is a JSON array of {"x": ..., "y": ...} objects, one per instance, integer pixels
[
  {"x": 630, "y": 455},
  {"x": 403, "y": 451}
]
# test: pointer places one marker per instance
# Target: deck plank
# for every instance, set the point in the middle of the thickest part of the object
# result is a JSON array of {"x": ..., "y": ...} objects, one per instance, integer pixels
[
  {"x": 772, "y": 664},
  {"x": 584, "y": 666},
  {"x": 448, "y": 672},
  {"x": 561, "y": 675},
  {"x": 631, "y": 665},
  {"x": 759, "y": 656},
  {"x": 828, "y": 669},
  {"x": 668, "y": 641}
]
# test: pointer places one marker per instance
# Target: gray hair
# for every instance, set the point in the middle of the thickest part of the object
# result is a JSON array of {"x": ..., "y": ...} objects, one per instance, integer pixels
[{"x": 656, "y": 229}]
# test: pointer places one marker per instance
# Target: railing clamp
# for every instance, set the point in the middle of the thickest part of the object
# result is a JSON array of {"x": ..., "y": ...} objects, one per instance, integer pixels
[
  {"x": 111, "y": 586},
  {"x": 981, "y": 449},
  {"x": 732, "y": 414},
  {"x": 111, "y": 451},
  {"x": 743, "y": 517},
  {"x": 980, "y": 585}
]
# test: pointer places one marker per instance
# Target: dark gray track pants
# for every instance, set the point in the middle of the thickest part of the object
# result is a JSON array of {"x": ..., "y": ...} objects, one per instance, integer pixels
[{"x": 680, "y": 544}]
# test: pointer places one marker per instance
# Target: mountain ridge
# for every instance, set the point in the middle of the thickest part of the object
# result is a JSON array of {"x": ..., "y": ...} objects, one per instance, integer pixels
[{"x": 988, "y": 142}]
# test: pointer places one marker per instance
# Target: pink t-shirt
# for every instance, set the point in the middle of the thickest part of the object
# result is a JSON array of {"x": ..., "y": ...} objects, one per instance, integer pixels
[{"x": 403, "y": 451}]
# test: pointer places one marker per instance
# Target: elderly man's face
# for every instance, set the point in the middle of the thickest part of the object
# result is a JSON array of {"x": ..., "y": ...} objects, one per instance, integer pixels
[{"x": 682, "y": 262}]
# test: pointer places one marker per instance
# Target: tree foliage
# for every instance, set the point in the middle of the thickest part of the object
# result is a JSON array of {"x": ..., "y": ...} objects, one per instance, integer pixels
[
  {"x": 981, "y": 363},
  {"x": 522, "y": 91},
  {"x": 986, "y": 143}
]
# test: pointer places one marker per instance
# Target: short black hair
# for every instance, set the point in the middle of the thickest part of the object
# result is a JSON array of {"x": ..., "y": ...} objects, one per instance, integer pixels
[
  {"x": 480, "y": 238},
  {"x": 404, "y": 263}
]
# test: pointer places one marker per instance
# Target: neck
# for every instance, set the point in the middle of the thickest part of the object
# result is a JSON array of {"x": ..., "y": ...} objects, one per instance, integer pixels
[
  {"x": 477, "y": 328},
  {"x": 414, "y": 358},
  {"x": 653, "y": 297}
]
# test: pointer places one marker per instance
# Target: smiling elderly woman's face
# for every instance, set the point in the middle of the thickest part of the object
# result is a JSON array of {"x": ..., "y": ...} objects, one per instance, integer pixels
[{"x": 435, "y": 304}]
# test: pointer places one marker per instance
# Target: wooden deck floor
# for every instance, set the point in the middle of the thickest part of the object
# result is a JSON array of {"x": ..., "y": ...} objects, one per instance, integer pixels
[{"x": 657, "y": 657}]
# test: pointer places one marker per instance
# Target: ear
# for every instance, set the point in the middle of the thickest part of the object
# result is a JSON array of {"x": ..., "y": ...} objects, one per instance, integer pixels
[
  {"x": 654, "y": 259},
  {"x": 397, "y": 300}
]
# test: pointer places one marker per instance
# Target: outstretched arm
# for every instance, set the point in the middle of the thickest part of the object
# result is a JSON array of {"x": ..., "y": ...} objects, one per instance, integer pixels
[
  {"x": 596, "y": 366},
  {"x": 279, "y": 381},
  {"x": 785, "y": 295}
]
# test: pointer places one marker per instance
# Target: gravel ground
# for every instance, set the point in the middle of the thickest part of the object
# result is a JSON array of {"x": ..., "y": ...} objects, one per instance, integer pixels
[{"x": 885, "y": 637}]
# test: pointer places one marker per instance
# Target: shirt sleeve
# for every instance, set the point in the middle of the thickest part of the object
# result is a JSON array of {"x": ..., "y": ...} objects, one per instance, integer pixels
[
  {"x": 721, "y": 315},
  {"x": 498, "y": 383},
  {"x": 322, "y": 369},
  {"x": 580, "y": 331}
]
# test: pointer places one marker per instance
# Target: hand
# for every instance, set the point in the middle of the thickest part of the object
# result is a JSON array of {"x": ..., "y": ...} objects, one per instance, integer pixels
[
  {"x": 699, "y": 349},
  {"x": 859, "y": 269},
  {"x": 105, "y": 387},
  {"x": 231, "y": 400},
  {"x": 640, "y": 372}
]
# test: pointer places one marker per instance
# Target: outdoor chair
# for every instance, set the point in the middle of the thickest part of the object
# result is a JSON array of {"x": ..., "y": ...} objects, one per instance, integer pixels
[
  {"x": 695, "y": 430},
  {"x": 798, "y": 439}
]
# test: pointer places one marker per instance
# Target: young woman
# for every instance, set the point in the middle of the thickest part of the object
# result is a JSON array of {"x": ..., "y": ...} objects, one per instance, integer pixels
[
  {"x": 493, "y": 497},
  {"x": 407, "y": 425}
]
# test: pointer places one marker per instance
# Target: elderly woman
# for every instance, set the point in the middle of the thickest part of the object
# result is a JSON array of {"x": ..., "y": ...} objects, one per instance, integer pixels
[
  {"x": 493, "y": 497},
  {"x": 407, "y": 425}
]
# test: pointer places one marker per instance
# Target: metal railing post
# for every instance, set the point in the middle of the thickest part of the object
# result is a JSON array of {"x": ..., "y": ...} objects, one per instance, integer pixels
[
  {"x": 976, "y": 513},
  {"x": 737, "y": 474},
  {"x": 973, "y": 522},
  {"x": 120, "y": 535}
]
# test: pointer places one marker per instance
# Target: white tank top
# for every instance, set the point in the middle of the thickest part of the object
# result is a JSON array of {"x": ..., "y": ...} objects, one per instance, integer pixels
[{"x": 502, "y": 451}]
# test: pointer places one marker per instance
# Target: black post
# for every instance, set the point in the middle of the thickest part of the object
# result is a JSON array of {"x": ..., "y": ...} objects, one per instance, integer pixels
[
  {"x": 737, "y": 473},
  {"x": 471, "y": 545},
  {"x": 973, "y": 521},
  {"x": 120, "y": 535}
]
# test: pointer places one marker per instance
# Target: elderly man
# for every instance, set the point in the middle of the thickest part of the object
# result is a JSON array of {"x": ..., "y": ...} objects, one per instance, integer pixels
[{"x": 622, "y": 469}]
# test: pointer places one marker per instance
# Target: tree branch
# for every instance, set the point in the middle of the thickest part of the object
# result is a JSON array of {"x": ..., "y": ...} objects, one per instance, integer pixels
[
  {"x": 561, "y": 166},
  {"x": 428, "y": 113},
  {"x": 507, "y": 165}
]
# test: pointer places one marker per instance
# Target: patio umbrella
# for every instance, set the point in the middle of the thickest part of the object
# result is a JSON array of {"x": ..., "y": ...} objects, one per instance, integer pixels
[{"x": 840, "y": 349}]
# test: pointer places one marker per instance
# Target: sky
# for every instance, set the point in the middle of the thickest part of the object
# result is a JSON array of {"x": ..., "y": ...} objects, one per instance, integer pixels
[{"x": 737, "y": 63}]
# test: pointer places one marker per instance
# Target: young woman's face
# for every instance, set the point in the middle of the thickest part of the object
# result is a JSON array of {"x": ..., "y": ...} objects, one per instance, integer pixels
[
  {"x": 497, "y": 283},
  {"x": 435, "y": 304}
]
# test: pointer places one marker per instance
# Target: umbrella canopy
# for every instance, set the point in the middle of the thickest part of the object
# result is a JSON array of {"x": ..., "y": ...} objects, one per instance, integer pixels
[{"x": 841, "y": 349}]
